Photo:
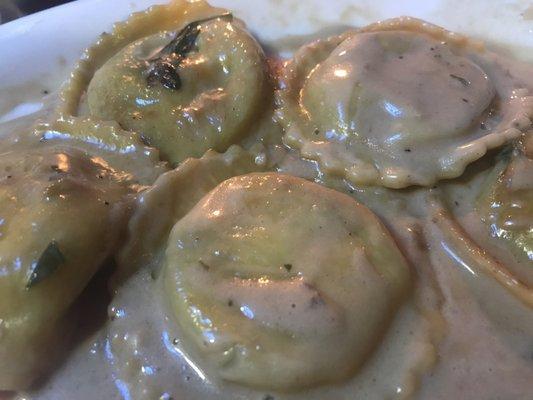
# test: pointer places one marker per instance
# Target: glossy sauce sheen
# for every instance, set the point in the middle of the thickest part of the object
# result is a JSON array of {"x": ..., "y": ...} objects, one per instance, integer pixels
[{"x": 465, "y": 328}]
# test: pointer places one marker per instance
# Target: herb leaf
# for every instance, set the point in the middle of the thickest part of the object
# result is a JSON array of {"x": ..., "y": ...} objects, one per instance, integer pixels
[
  {"x": 163, "y": 67},
  {"x": 49, "y": 261},
  {"x": 462, "y": 80}
]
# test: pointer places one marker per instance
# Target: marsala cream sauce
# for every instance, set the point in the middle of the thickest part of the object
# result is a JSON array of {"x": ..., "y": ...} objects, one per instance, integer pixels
[{"x": 476, "y": 340}]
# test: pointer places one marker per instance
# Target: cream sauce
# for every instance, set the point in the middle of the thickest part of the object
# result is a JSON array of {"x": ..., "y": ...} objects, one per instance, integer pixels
[{"x": 461, "y": 335}]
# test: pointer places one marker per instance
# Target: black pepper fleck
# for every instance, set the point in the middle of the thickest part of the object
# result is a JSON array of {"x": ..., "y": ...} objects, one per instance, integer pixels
[
  {"x": 316, "y": 301},
  {"x": 288, "y": 267}
]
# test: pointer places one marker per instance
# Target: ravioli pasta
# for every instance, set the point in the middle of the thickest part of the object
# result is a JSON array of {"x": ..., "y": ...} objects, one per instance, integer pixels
[
  {"x": 506, "y": 204},
  {"x": 282, "y": 283},
  {"x": 330, "y": 225},
  {"x": 136, "y": 164},
  {"x": 185, "y": 92},
  {"x": 396, "y": 104},
  {"x": 169, "y": 200},
  {"x": 58, "y": 209}
]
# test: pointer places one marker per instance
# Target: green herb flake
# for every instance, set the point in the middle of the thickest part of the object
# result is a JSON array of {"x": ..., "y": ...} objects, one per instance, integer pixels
[
  {"x": 49, "y": 261},
  {"x": 462, "y": 80},
  {"x": 204, "y": 265},
  {"x": 163, "y": 67}
]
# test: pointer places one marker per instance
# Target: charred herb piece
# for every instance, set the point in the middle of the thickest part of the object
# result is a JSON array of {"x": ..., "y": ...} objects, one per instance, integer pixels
[
  {"x": 49, "y": 261},
  {"x": 463, "y": 81},
  {"x": 163, "y": 67}
]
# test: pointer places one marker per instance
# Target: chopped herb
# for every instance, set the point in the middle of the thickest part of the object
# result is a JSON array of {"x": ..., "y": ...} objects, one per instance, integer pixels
[
  {"x": 204, "y": 265},
  {"x": 9, "y": 176},
  {"x": 49, "y": 261},
  {"x": 106, "y": 202},
  {"x": 163, "y": 67},
  {"x": 230, "y": 303},
  {"x": 407, "y": 150},
  {"x": 463, "y": 81},
  {"x": 465, "y": 100},
  {"x": 288, "y": 267},
  {"x": 145, "y": 140}
]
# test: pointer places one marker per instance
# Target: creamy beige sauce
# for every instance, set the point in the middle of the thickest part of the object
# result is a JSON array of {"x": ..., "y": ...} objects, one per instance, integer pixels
[{"x": 465, "y": 332}]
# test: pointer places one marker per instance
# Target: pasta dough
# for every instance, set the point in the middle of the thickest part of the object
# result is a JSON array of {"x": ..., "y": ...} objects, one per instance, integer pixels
[
  {"x": 506, "y": 205},
  {"x": 280, "y": 283},
  {"x": 170, "y": 199},
  {"x": 398, "y": 103},
  {"x": 59, "y": 211},
  {"x": 187, "y": 92}
]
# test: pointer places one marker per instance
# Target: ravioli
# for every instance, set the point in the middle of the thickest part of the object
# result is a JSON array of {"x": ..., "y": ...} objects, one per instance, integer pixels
[
  {"x": 506, "y": 205},
  {"x": 60, "y": 213},
  {"x": 236, "y": 283},
  {"x": 136, "y": 164},
  {"x": 397, "y": 103},
  {"x": 279, "y": 283},
  {"x": 170, "y": 199},
  {"x": 186, "y": 91}
]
